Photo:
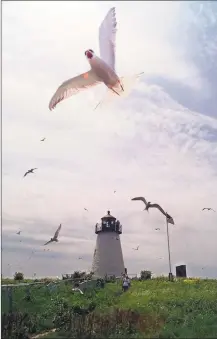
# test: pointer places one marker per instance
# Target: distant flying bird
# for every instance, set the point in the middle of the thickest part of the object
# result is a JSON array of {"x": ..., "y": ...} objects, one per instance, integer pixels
[
  {"x": 33, "y": 252},
  {"x": 150, "y": 205},
  {"x": 30, "y": 171},
  {"x": 136, "y": 249},
  {"x": 102, "y": 68},
  {"x": 18, "y": 232},
  {"x": 208, "y": 208},
  {"x": 79, "y": 258},
  {"x": 114, "y": 191},
  {"x": 157, "y": 229},
  {"x": 55, "y": 237},
  {"x": 43, "y": 139},
  {"x": 86, "y": 209}
]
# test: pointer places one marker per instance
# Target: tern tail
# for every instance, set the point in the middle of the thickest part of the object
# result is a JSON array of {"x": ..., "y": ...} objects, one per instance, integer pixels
[{"x": 123, "y": 89}]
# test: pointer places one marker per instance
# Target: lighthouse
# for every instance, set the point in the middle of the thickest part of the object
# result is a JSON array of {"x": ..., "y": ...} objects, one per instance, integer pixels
[{"x": 108, "y": 257}]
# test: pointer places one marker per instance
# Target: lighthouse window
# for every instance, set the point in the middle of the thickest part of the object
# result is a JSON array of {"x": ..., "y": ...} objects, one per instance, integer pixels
[{"x": 107, "y": 224}]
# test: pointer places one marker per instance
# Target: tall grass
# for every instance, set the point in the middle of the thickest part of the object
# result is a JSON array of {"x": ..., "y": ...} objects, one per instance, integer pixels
[{"x": 149, "y": 309}]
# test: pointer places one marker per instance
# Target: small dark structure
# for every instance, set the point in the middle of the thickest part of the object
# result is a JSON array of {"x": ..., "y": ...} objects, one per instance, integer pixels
[
  {"x": 108, "y": 224},
  {"x": 181, "y": 271}
]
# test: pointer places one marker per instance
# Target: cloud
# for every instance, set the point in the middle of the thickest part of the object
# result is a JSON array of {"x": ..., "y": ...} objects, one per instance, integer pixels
[
  {"x": 152, "y": 143},
  {"x": 195, "y": 39}
]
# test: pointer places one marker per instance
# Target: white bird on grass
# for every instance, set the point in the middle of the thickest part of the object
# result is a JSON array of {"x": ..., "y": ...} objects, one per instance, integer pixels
[
  {"x": 102, "y": 68},
  {"x": 76, "y": 289}
]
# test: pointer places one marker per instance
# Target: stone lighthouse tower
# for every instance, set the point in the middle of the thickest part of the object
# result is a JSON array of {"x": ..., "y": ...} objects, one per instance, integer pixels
[{"x": 108, "y": 257}]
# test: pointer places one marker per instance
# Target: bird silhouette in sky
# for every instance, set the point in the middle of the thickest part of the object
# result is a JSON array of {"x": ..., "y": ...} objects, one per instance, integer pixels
[
  {"x": 55, "y": 237},
  {"x": 43, "y": 139},
  {"x": 30, "y": 171},
  {"x": 85, "y": 209},
  {"x": 150, "y": 205},
  {"x": 208, "y": 208},
  {"x": 136, "y": 249}
]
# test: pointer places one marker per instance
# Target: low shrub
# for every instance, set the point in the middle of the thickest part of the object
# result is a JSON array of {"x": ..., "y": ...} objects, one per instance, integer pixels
[
  {"x": 145, "y": 275},
  {"x": 18, "y": 325},
  {"x": 18, "y": 276}
]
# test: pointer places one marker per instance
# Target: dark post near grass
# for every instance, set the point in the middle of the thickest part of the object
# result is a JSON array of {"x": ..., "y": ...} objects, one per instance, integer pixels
[{"x": 169, "y": 256}]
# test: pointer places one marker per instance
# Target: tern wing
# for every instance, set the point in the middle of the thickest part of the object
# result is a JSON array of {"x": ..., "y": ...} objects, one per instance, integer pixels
[
  {"x": 74, "y": 86},
  {"x": 57, "y": 231},
  {"x": 140, "y": 198},
  {"x": 107, "y": 38},
  {"x": 158, "y": 207},
  {"x": 47, "y": 242}
]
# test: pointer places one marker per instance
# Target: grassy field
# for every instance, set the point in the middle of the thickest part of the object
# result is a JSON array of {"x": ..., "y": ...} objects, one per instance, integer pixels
[
  {"x": 6, "y": 281},
  {"x": 149, "y": 309}
]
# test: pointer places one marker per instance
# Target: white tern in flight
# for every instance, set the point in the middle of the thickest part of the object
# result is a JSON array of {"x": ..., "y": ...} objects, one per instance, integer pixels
[{"x": 102, "y": 68}]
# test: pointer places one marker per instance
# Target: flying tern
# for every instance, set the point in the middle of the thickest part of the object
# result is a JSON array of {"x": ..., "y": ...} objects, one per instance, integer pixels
[
  {"x": 150, "y": 205},
  {"x": 208, "y": 208},
  {"x": 102, "y": 69},
  {"x": 30, "y": 171},
  {"x": 55, "y": 237}
]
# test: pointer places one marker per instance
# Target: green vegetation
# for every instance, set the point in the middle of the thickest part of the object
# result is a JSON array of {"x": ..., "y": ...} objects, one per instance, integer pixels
[
  {"x": 7, "y": 281},
  {"x": 154, "y": 308},
  {"x": 18, "y": 276}
]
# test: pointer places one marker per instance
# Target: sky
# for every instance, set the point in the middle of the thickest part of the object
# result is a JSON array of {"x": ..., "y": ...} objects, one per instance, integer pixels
[{"x": 159, "y": 142}]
